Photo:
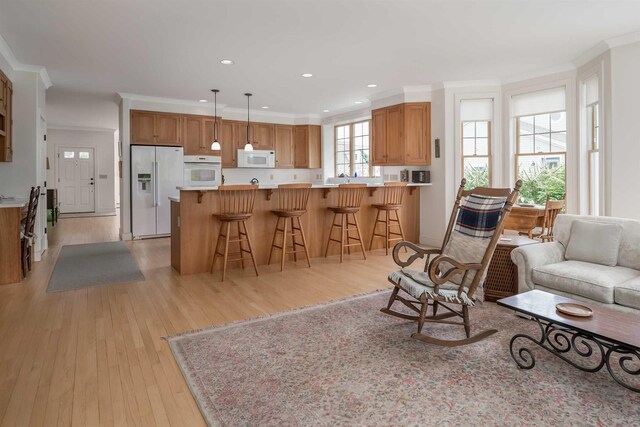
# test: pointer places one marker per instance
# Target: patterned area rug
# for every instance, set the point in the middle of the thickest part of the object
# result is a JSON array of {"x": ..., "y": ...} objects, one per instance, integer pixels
[{"x": 345, "y": 363}]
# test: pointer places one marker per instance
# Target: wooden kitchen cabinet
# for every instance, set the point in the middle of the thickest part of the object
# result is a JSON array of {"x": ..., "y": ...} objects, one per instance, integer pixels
[
  {"x": 150, "y": 128},
  {"x": 401, "y": 135},
  {"x": 226, "y": 138},
  {"x": 417, "y": 133},
  {"x": 307, "y": 147},
  {"x": 284, "y": 146},
  {"x": 6, "y": 115},
  {"x": 193, "y": 135},
  {"x": 262, "y": 135}
]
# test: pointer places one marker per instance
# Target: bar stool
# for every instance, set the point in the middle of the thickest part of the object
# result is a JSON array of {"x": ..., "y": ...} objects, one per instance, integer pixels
[
  {"x": 236, "y": 206},
  {"x": 292, "y": 204},
  {"x": 349, "y": 201},
  {"x": 391, "y": 204},
  {"x": 27, "y": 232}
]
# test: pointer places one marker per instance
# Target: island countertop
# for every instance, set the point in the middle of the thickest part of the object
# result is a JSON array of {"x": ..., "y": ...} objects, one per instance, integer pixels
[
  {"x": 274, "y": 186},
  {"x": 194, "y": 229},
  {"x": 13, "y": 203}
]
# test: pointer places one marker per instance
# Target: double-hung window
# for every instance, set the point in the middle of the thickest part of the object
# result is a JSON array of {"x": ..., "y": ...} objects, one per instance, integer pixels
[
  {"x": 541, "y": 146},
  {"x": 353, "y": 150},
  {"x": 476, "y": 153},
  {"x": 593, "y": 151}
]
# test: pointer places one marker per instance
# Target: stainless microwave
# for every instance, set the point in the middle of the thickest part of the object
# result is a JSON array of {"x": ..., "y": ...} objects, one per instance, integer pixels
[{"x": 256, "y": 159}]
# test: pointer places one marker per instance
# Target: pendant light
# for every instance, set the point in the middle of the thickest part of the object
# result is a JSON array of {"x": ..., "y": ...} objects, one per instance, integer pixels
[
  {"x": 248, "y": 146},
  {"x": 215, "y": 145}
]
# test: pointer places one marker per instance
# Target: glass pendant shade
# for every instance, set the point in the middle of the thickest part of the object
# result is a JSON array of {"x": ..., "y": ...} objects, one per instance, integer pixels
[
  {"x": 215, "y": 146},
  {"x": 248, "y": 147}
]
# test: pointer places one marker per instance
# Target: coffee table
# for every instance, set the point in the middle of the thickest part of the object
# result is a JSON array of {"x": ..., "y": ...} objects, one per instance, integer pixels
[{"x": 608, "y": 338}]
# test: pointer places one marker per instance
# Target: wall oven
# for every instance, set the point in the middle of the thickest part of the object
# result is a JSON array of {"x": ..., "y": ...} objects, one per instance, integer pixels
[
  {"x": 202, "y": 171},
  {"x": 257, "y": 159}
]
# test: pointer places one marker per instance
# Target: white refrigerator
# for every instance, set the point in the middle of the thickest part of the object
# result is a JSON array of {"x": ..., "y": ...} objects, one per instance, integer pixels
[{"x": 155, "y": 174}]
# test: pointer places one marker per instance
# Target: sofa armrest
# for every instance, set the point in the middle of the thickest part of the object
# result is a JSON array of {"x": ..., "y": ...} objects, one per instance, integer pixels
[{"x": 526, "y": 258}]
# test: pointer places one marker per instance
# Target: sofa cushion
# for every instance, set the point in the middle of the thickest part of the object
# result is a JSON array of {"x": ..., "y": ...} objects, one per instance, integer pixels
[
  {"x": 594, "y": 242},
  {"x": 628, "y": 293},
  {"x": 593, "y": 281},
  {"x": 629, "y": 252}
]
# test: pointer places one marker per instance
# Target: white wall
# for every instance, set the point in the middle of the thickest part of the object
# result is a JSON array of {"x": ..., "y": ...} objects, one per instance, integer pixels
[
  {"x": 625, "y": 131},
  {"x": 105, "y": 158}
]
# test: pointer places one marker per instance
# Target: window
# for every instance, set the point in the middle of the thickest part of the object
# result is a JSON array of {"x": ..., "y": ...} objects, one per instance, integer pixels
[
  {"x": 476, "y": 153},
  {"x": 541, "y": 145},
  {"x": 69, "y": 154},
  {"x": 593, "y": 120},
  {"x": 83, "y": 155},
  {"x": 352, "y": 150}
]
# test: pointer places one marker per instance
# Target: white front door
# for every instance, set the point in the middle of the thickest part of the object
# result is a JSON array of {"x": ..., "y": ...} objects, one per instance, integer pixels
[{"x": 76, "y": 179}]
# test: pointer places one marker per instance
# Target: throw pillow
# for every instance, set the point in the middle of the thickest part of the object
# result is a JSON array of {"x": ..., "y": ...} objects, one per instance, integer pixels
[{"x": 594, "y": 242}]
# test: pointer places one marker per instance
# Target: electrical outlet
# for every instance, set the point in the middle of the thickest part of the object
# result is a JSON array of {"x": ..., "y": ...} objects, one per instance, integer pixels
[
  {"x": 271, "y": 177},
  {"x": 295, "y": 176}
]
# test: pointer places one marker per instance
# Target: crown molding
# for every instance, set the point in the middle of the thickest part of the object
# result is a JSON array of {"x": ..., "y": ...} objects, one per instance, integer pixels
[
  {"x": 161, "y": 100},
  {"x": 471, "y": 84},
  {"x": 79, "y": 128},
  {"x": 16, "y": 65},
  {"x": 623, "y": 40},
  {"x": 591, "y": 54}
]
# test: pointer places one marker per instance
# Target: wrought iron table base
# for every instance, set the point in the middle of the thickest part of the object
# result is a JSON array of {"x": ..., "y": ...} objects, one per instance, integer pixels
[{"x": 560, "y": 340}]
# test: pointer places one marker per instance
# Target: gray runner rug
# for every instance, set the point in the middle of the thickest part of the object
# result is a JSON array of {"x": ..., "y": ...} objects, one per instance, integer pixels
[{"x": 92, "y": 264}]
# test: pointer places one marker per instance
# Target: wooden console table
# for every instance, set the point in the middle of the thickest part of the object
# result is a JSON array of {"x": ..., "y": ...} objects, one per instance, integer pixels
[{"x": 502, "y": 274}]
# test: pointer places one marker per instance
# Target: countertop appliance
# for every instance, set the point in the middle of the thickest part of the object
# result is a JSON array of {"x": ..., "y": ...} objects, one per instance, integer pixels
[
  {"x": 155, "y": 174},
  {"x": 257, "y": 159},
  {"x": 202, "y": 171},
  {"x": 421, "y": 177}
]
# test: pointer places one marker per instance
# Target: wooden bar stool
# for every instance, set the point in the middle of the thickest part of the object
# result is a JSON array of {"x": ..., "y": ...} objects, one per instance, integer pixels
[
  {"x": 236, "y": 206},
  {"x": 349, "y": 201},
  {"x": 27, "y": 233},
  {"x": 292, "y": 204},
  {"x": 391, "y": 204}
]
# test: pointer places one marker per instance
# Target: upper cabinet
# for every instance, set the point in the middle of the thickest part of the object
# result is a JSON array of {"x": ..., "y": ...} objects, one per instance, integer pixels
[
  {"x": 297, "y": 146},
  {"x": 284, "y": 146},
  {"x": 307, "y": 147},
  {"x": 262, "y": 135},
  {"x": 401, "y": 135},
  {"x": 150, "y": 128},
  {"x": 6, "y": 110}
]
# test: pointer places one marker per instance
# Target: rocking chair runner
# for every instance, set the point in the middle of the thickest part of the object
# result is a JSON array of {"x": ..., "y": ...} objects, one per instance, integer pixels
[{"x": 455, "y": 275}]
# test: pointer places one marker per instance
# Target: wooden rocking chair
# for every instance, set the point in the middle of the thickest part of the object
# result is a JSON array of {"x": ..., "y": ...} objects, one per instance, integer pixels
[{"x": 455, "y": 275}]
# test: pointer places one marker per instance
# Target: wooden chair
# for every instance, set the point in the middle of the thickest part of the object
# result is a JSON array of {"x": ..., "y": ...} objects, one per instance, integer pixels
[
  {"x": 235, "y": 206},
  {"x": 349, "y": 200},
  {"x": 391, "y": 204},
  {"x": 552, "y": 208},
  {"x": 292, "y": 204},
  {"x": 454, "y": 277},
  {"x": 27, "y": 233}
]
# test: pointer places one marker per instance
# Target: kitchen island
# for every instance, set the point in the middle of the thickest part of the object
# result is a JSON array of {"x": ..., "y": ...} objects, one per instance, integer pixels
[{"x": 194, "y": 230}]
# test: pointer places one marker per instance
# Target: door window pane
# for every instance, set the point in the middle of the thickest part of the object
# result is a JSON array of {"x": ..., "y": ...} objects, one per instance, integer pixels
[
  {"x": 69, "y": 154},
  {"x": 83, "y": 155}
]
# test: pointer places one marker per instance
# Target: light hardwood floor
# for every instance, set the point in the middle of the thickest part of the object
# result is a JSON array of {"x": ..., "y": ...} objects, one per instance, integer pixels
[{"x": 96, "y": 356}]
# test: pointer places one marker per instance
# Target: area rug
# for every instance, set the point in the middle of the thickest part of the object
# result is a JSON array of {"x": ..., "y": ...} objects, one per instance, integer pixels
[
  {"x": 345, "y": 363},
  {"x": 93, "y": 264}
]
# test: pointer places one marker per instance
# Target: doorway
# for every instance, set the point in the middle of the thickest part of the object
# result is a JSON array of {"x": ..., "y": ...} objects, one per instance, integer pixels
[{"x": 76, "y": 179}]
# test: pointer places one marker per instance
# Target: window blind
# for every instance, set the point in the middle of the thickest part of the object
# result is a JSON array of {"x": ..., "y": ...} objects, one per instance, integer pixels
[
  {"x": 591, "y": 90},
  {"x": 543, "y": 101},
  {"x": 476, "y": 109}
]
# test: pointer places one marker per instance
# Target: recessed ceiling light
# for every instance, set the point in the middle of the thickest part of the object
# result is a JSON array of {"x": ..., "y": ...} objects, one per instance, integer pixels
[
  {"x": 307, "y": 75},
  {"x": 203, "y": 100},
  {"x": 325, "y": 111},
  {"x": 372, "y": 85},
  {"x": 265, "y": 107},
  {"x": 227, "y": 62},
  {"x": 358, "y": 102}
]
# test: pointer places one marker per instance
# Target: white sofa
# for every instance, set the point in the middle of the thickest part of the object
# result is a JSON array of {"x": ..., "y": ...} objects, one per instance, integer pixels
[{"x": 544, "y": 266}]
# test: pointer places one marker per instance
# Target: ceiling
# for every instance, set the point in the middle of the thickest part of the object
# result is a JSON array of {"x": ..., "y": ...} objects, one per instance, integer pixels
[{"x": 172, "y": 49}]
